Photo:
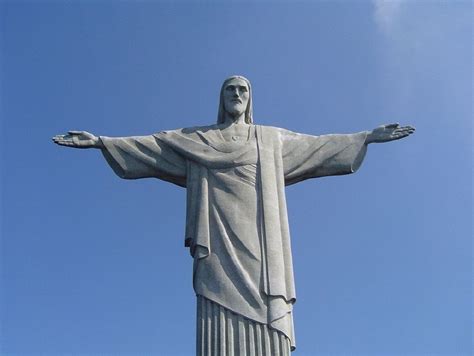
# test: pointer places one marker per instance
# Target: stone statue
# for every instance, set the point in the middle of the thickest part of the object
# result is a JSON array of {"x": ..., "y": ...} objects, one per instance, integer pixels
[{"x": 235, "y": 175}]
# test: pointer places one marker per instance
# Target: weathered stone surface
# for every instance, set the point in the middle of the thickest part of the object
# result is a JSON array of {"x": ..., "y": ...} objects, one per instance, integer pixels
[{"x": 235, "y": 175}]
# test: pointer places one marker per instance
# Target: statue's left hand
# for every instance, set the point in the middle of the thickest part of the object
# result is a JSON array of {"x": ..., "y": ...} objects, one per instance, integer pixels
[
  {"x": 387, "y": 133},
  {"x": 78, "y": 139}
]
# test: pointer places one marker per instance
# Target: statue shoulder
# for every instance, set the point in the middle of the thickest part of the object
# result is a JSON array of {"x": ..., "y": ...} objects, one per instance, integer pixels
[
  {"x": 189, "y": 130},
  {"x": 274, "y": 131},
  {"x": 199, "y": 129}
]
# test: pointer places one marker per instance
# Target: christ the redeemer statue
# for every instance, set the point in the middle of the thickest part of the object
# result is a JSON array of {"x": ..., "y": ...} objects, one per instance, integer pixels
[{"x": 235, "y": 175}]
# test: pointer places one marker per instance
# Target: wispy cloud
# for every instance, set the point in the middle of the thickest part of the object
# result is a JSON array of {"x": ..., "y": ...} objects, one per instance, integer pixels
[
  {"x": 386, "y": 13},
  {"x": 424, "y": 47}
]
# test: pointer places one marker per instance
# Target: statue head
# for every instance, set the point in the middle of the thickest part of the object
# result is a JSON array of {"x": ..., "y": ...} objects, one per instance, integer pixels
[{"x": 235, "y": 99}]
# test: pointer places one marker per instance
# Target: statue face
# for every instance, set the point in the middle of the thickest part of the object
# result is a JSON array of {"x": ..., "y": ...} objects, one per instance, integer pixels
[{"x": 236, "y": 97}]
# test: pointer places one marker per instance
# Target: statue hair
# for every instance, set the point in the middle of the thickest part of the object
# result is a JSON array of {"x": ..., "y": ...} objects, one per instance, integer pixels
[{"x": 248, "y": 110}]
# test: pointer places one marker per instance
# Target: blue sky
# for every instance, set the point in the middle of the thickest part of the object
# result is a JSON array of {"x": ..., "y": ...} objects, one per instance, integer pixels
[{"x": 95, "y": 265}]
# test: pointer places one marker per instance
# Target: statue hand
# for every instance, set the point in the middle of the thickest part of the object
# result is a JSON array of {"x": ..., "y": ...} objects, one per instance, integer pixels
[
  {"x": 387, "y": 133},
  {"x": 78, "y": 139}
]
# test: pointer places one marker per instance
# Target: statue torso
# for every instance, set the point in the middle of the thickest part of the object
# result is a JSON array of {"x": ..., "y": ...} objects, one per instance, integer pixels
[{"x": 236, "y": 133}]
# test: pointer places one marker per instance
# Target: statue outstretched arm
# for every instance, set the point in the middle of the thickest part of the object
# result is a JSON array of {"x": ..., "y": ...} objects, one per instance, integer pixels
[
  {"x": 78, "y": 139},
  {"x": 387, "y": 133},
  {"x": 306, "y": 156},
  {"x": 132, "y": 157}
]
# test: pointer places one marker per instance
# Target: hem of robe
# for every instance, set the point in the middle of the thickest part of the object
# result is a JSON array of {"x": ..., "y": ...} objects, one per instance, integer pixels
[
  {"x": 221, "y": 331},
  {"x": 283, "y": 324}
]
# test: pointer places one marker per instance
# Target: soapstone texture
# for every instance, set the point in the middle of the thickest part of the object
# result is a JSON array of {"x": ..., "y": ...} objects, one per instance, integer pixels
[
  {"x": 236, "y": 219},
  {"x": 235, "y": 173}
]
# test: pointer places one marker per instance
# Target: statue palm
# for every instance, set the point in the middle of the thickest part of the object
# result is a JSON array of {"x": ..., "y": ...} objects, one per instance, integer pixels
[
  {"x": 390, "y": 132},
  {"x": 78, "y": 139}
]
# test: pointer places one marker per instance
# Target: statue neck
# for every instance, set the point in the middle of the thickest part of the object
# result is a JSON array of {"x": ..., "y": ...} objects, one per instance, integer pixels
[{"x": 234, "y": 119}]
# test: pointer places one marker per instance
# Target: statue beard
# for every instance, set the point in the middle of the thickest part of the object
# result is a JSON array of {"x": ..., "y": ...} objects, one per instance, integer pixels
[{"x": 235, "y": 111}]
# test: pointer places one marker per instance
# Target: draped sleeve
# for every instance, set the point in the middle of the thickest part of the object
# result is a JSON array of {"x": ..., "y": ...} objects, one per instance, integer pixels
[
  {"x": 144, "y": 157},
  {"x": 306, "y": 156}
]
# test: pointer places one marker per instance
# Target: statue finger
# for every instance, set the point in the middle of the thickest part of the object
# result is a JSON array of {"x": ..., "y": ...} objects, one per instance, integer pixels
[
  {"x": 66, "y": 142},
  {"x": 401, "y": 130},
  {"x": 399, "y": 135},
  {"x": 408, "y": 129},
  {"x": 72, "y": 132},
  {"x": 392, "y": 126}
]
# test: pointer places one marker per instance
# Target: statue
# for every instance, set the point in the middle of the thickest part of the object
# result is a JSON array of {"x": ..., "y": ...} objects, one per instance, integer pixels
[{"x": 235, "y": 175}]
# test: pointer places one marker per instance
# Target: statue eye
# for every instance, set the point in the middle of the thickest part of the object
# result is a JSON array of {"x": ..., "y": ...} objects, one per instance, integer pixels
[
  {"x": 244, "y": 89},
  {"x": 230, "y": 88}
]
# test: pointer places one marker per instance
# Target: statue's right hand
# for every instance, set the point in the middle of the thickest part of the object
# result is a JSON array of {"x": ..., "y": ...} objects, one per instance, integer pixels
[{"x": 78, "y": 139}]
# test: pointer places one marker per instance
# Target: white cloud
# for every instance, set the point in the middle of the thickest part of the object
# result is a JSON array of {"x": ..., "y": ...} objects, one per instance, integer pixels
[{"x": 386, "y": 13}]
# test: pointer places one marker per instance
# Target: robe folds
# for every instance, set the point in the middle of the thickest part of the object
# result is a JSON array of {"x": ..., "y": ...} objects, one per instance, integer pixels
[{"x": 236, "y": 219}]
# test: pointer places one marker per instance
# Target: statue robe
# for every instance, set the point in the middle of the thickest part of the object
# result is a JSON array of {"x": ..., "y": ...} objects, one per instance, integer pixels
[{"x": 236, "y": 223}]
